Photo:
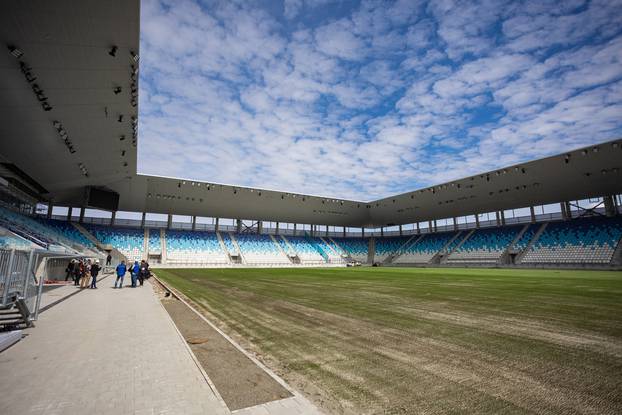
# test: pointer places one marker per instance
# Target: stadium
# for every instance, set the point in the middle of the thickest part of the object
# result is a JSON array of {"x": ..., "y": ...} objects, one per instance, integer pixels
[{"x": 498, "y": 291}]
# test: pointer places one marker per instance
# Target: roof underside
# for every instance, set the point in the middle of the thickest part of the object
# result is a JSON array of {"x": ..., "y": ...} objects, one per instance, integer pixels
[{"x": 66, "y": 45}]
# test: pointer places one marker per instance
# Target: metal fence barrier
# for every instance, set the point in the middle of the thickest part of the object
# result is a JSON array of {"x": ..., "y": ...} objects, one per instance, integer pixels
[{"x": 22, "y": 275}]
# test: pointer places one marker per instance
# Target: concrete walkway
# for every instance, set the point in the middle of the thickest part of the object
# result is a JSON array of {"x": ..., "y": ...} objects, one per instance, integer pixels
[
  {"x": 111, "y": 351},
  {"x": 104, "y": 351}
]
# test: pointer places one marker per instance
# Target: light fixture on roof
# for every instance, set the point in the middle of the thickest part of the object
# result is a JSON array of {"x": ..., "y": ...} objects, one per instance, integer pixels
[
  {"x": 117, "y": 90},
  {"x": 121, "y": 137},
  {"x": 15, "y": 52},
  {"x": 83, "y": 169},
  {"x": 134, "y": 56},
  {"x": 120, "y": 119},
  {"x": 113, "y": 51}
]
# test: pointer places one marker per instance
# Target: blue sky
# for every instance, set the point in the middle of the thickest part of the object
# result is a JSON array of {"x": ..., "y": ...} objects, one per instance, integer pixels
[{"x": 362, "y": 100}]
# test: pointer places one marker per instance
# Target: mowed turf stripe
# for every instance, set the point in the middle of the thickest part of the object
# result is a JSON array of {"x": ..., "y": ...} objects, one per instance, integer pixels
[{"x": 349, "y": 333}]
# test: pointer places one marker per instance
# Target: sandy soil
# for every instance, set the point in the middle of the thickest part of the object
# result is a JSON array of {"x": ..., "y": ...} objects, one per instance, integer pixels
[{"x": 240, "y": 382}]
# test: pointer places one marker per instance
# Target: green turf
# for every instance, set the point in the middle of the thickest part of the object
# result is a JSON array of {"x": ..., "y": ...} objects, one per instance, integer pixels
[{"x": 403, "y": 340}]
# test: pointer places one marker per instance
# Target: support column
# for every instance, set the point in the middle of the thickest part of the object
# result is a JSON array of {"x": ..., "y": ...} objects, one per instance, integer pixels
[
  {"x": 532, "y": 213},
  {"x": 502, "y": 214},
  {"x": 362, "y": 232},
  {"x": 381, "y": 232},
  {"x": 49, "y": 213},
  {"x": 69, "y": 213},
  {"x": 476, "y": 221},
  {"x": 455, "y": 224},
  {"x": 143, "y": 219},
  {"x": 418, "y": 229},
  {"x": 239, "y": 225},
  {"x": 610, "y": 206},
  {"x": 568, "y": 210},
  {"x": 294, "y": 229},
  {"x": 435, "y": 226},
  {"x": 81, "y": 215},
  {"x": 344, "y": 231},
  {"x": 430, "y": 226},
  {"x": 194, "y": 223},
  {"x": 113, "y": 217},
  {"x": 401, "y": 234},
  {"x": 216, "y": 225},
  {"x": 327, "y": 231},
  {"x": 562, "y": 207},
  {"x": 169, "y": 221},
  {"x": 276, "y": 232},
  {"x": 498, "y": 219},
  {"x": 259, "y": 227}
]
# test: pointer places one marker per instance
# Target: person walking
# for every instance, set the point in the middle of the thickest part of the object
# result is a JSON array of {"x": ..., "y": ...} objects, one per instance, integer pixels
[
  {"x": 69, "y": 270},
  {"x": 121, "y": 271},
  {"x": 144, "y": 272},
  {"x": 94, "y": 271},
  {"x": 109, "y": 259},
  {"x": 134, "y": 272},
  {"x": 78, "y": 269},
  {"x": 86, "y": 274}
]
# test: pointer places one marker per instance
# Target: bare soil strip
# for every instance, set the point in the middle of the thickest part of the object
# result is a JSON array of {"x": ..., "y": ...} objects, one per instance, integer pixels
[{"x": 240, "y": 382}]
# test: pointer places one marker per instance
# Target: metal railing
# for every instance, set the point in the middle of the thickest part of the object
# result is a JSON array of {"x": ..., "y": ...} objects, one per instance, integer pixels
[{"x": 22, "y": 275}]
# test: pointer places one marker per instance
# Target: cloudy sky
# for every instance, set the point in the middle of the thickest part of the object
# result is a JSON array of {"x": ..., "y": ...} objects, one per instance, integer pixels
[{"x": 366, "y": 99}]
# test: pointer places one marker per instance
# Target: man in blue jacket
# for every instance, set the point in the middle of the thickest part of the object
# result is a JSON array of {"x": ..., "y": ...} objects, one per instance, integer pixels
[{"x": 121, "y": 270}]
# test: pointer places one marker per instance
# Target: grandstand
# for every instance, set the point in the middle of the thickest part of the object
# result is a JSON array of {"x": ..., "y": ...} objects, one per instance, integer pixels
[{"x": 70, "y": 189}]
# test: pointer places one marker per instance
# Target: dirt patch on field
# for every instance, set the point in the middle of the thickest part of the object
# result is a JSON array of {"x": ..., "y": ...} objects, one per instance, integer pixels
[
  {"x": 240, "y": 382},
  {"x": 522, "y": 327}
]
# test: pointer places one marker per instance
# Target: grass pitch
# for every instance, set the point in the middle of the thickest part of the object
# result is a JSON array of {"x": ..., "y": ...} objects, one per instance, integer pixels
[{"x": 398, "y": 340}]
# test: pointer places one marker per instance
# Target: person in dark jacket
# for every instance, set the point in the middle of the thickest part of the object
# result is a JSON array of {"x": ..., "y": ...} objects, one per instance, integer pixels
[
  {"x": 77, "y": 272},
  {"x": 69, "y": 270},
  {"x": 134, "y": 271},
  {"x": 108, "y": 260},
  {"x": 94, "y": 271},
  {"x": 144, "y": 272},
  {"x": 121, "y": 271}
]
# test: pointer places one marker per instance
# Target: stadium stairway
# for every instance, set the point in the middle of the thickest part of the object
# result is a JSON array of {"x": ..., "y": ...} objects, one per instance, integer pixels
[
  {"x": 521, "y": 255},
  {"x": 342, "y": 252},
  {"x": 222, "y": 245},
  {"x": 457, "y": 240},
  {"x": 389, "y": 259},
  {"x": 280, "y": 247},
  {"x": 117, "y": 256},
  {"x": 236, "y": 247}
]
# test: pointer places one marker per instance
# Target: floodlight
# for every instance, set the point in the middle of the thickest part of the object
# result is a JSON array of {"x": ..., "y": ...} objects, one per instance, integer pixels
[
  {"x": 113, "y": 51},
  {"x": 15, "y": 52}
]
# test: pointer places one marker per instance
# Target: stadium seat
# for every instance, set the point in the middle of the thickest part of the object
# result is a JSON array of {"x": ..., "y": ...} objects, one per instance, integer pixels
[
  {"x": 485, "y": 245},
  {"x": 129, "y": 241},
  {"x": 193, "y": 248},
  {"x": 578, "y": 241},
  {"x": 423, "y": 249}
]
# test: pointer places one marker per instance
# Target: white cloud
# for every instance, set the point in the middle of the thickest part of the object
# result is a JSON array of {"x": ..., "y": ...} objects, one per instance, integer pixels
[{"x": 373, "y": 100}]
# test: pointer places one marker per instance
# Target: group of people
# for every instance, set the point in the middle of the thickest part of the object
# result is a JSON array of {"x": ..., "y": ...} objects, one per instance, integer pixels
[
  {"x": 138, "y": 272},
  {"x": 81, "y": 271}
]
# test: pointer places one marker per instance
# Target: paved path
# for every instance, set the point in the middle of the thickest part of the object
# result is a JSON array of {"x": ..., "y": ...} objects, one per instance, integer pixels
[
  {"x": 110, "y": 351},
  {"x": 104, "y": 351}
]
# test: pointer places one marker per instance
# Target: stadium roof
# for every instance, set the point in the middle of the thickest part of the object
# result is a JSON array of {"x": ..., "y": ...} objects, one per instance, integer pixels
[{"x": 63, "y": 128}]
